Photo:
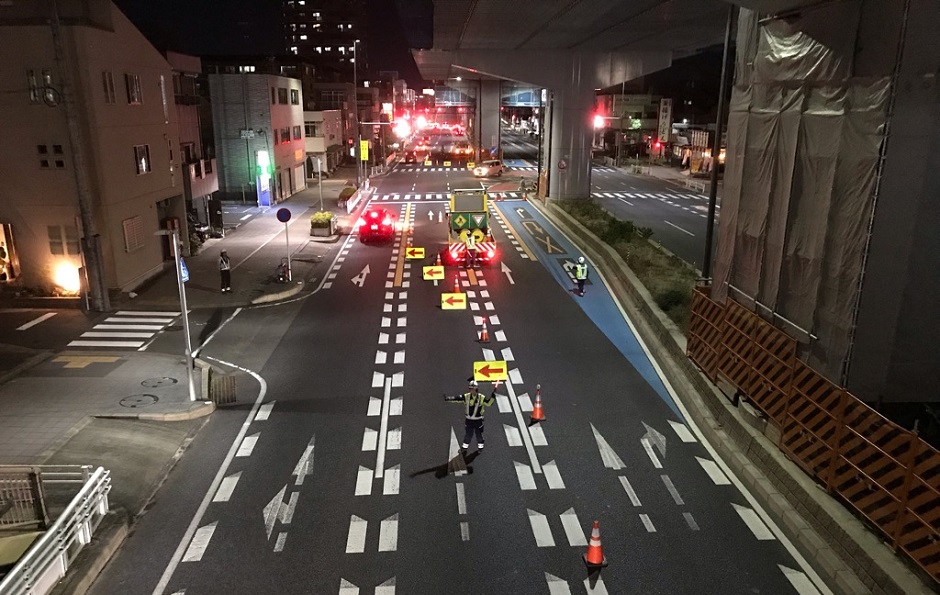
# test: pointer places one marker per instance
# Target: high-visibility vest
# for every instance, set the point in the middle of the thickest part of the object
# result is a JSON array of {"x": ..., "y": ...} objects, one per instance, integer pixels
[
  {"x": 471, "y": 243},
  {"x": 224, "y": 263},
  {"x": 580, "y": 271}
]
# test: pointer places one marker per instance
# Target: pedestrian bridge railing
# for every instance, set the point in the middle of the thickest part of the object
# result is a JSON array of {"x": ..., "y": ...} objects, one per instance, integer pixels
[{"x": 23, "y": 506}]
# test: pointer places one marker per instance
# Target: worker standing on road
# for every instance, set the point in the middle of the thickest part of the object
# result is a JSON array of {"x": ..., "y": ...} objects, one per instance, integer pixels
[
  {"x": 475, "y": 404},
  {"x": 225, "y": 270},
  {"x": 581, "y": 274},
  {"x": 471, "y": 250}
]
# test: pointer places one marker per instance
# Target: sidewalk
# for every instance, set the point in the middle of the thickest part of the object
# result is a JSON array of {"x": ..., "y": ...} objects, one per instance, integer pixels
[{"x": 673, "y": 175}]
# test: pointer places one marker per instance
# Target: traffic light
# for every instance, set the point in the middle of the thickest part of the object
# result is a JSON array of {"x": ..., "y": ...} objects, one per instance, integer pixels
[{"x": 657, "y": 145}]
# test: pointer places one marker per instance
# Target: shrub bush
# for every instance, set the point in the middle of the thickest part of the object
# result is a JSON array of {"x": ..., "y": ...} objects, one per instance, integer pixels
[
  {"x": 346, "y": 193},
  {"x": 321, "y": 219}
]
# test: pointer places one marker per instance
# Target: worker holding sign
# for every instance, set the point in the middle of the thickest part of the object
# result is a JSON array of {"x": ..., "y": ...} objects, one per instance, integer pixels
[{"x": 475, "y": 405}]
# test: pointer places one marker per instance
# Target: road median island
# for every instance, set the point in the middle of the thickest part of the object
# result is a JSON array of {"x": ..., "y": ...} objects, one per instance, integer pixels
[{"x": 845, "y": 553}]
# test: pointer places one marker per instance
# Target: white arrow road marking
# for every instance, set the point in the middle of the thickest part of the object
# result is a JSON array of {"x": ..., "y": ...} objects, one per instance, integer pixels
[
  {"x": 347, "y": 588},
  {"x": 800, "y": 581},
  {"x": 360, "y": 279},
  {"x": 538, "y": 435},
  {"x": 225, "y": 490},
  {"x": 682, "y": 431},
  {"x": 456, "y": 464},
  {"x": 430, "y": 215},
  {"x": 647, "y": 523},
  {"x": 265, "y": 411},
  {"x": 386, "y": 588},
  {"x": 394, "y": 439},
  {"x": 304, "y": 466},
  {"x": 608, "y": 456},
  {"x": 502, "y": 402},
  {"x": 388, "y": 534},
  {"x": 375, "y": 406},
  {"x": 364, "y": 481},
  {"x": 526, "y": 439},
  {"x": 395, "y": 407},
  {"x": 540, "y": 529},
  {"x": 461, "y": 499},
  {"x": 276, "y": 510},
  {"x": 714, "y": 472},
  {"x": 690, "y": 521},
  {"x": 381, "y": 357},
  {"x": 672, "y": 490},
  {"x": 649, "y": 451},
  {"x": 512, "y": 435},
  {"x": 597, "y": 589},
  {"x": 631, "y": 493},
  {"x": 656, "y": 439},
  {"x": 753, "y": 522},
  {"x": 515, "y": 376},
  {"x": 508, "y": 272},
  {"x": 247, "y": 445},
  {"x": 524, "y": 474},
  {"x": 383, "y": 338},
  {"x": 507, "y": 354},
  {"x": 552, "y": 476},
  {"x": 370, "y": 438},
  {"x": 356, "y": 539},
  {"x": 281, "y": 540},
  {"x": 197, "y": 547},
  {"x": 391, "y": 480},
  {"x": 573, "y": 531},
  {"x": 556, "y": 586}
]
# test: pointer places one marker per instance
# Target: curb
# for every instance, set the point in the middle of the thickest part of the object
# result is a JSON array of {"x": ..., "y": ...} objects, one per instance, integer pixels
[
  {"x": 201, "y": 409},
  {"x": 281, "y": 295},
  {"x": 853, "y": 563}
]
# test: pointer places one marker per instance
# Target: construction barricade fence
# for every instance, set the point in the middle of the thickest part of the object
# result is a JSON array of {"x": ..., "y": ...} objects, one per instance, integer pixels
[{"x": 885, "y": 473}]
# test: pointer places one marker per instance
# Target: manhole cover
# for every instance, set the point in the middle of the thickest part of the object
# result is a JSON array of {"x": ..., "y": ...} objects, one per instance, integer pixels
[
  {"x": 135, "y": 401},
  {"x": 157, "y": 382}
]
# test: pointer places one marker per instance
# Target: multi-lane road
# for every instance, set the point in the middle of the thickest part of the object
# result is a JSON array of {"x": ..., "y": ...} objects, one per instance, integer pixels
[{"x": 340, "y": 473}]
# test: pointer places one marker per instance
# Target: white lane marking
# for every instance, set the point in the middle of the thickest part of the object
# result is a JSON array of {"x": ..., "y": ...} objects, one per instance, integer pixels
[
  {"x": 370, "y": 439},
  {"x": 681, "y": 431},
  {"x": 524, "y": 475},
  {"x": 456, "y": 462},
  {"x": 631, "y": 493},
  {"x": 461, "y": 499},
  {"x": 378, "y": 379},
  {"x": 385, "y": 322},
  {"x": 464, "y": 531},
  {"x": 115, "y": 335},
  {"x": 556, "y": 586},
  {"x": 515, "y": 376},
  {"x": 623, "y": 200},
  {"x": 402, "y": 321},
  {"x": 386, "y": 588},
  {"x": 375, "y": 407},
  {"x": 800, "y": 581},
  {"x": 512, "y": 435},
  {"x": 396, "y": 406},
  {"x": 753, "y": 522},
  {"x": 690, "y": 521},
  {"x": 384, "y": 438},
  {"x": 247, "y": 445},
  {"x": 265, "y": 411},
  {"x": 394, "y": 439},
  {"x": 714, "y": 472},
  {"x": 363, "y": 481},
  {"x": 347, "y": 588},
  {"x": 525, "y": 403},
  {"x": 281, "y": 541},
  {"x": 500, "y": 336},
  {"x": 538, "y": 435},
  {"x": 119, "y": 319},
  {"x": 272, "y": 511},
  {"x": 199, "y": 543},
  {"x": 540, "y": 529},
  {"x": 489, "y": 355},
  {"x": 679, "y": 228},
  {"x": 502, "y": 403},
  {"x": 526, "y": 439},
  {"x": 649, "y": 451},
  {"x": 494, "y": 320},
  {"x": 224, "y": 493},
  {"x": 399, "y": 357},
  {"x": 171, "y": 314},
  {"x": 388, "y": 534},
  {"x": 572, "y": 526},
  {"x": 304, "y": 466},
  {"x": 391, "y": 481},
  {"x": 245, "y": 217},
  {"x": 381, "y": 357},
  {"x": 647, "y": 523},
  {"x": 399, "y": 338},
  {"x": 609, "y": 457},
  {"x": 127, "y": 327},
  {"x": 105, "y": 343},
  {"x": 36, "y": 321},
  {"x": 507, "y": 354},
  {"x": 598, "y": 588},
  {"x": 356, "y": 538},
  {"x": 553, "y": 476},
  {"x": 672, "y": 490},
  {"x": 383, "y": 338}
]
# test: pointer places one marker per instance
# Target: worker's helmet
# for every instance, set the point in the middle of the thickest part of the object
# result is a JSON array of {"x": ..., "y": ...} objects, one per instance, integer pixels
[
  {"x": 473, "y": 384},
  {"x": 580, "y": 260}
]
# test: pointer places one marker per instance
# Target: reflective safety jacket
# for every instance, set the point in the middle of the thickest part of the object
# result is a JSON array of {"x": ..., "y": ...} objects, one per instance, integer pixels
[
  {"x": 580, "y": 271},
  {"x": 474, "y": 404}
]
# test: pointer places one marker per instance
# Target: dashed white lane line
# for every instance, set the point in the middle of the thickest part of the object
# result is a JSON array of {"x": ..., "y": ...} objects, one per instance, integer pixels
[
  {"x": 364, "y": 481},
  {"x": 713, "y": 471},
  {"x": 595, "y": 586},
  {"x": 247, "y": 445},
  {"x": 683, "y": 230},
  {"x": 265, "y": 411},
  {"x": 526, "y": 439},
  {"x": 556, "y": 586},
  {"x": 391, "y": 481},
  {"x": 524, "y": 475},
  {"x": 682, "y": 431},
  {"x": 647, "y": 523},
  {"x": 224, "y": 493},
  {"x": 356, "y": 538},
  {"x": 690, "y": 520},
  {"x": 753, "y": 522},
  {"x": 197, "y": 547},
  {"x": 541, "y": 530},
  {"x": 461, "y": 499},
  {"x": 631, "y": 493},
  {"x": 36, "y": 321},
  {"x": 572, "y": 526},
  {"x": 513, "y": 438},
  {"x": 800, "y": 581},
  {"x": 552, "y": 476},
  {"x": 671, "y": 488},
  {"x": 388, "y": 534}
]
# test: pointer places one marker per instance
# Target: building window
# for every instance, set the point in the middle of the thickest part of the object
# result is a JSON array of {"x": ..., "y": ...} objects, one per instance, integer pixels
[
  {"x": 294, "y": 97},
  {"x": 285, "y": 135},
  {"x": 142, "y": 158},
  {"x": 319, "y": 50},
  {"x": 303, "y": 38},
  {"x": 297, "y": 133},
  {"x": 244, "y": 69},
  {"x": 51, "y": 158},
  {"x": 310, "y": 130},
  {"x": 133, "y": 233},
  {"x": 275, "y": 136},
  {"x": 107, "y": 80},
  {"x": 134, "y": 94},
  {"x": 273, "y": 95},
  {"x": 63, "y": 240},
  {"x": 282, "y": 95},
  {"x": 35, "y": 94}
]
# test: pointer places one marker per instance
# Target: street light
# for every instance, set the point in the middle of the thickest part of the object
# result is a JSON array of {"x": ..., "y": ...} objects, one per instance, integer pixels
[
  {"x": 320, "y": 180},
  {"x": 356, "y": 107},
  {"x": 175, "y": 241}
]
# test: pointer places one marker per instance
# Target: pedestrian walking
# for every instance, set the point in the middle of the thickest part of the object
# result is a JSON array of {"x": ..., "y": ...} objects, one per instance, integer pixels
[
  {"x": 225, "y": 270},
  {"x": 475, "y": 405},
  {"x": 581, "y": 274}
]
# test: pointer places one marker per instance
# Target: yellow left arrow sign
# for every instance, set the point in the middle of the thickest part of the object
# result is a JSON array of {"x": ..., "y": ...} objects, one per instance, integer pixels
[
  {"x": 414, "y": 253},
  {"x": 453, "y": 301},
  {"x": 434, "y": 273}
]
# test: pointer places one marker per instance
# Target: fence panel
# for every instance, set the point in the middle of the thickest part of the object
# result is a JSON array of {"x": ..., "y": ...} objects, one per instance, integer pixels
[
  {"x": 812, "y": 425},
  {"x": 704, "y": 339},
  {"x": 773, "y": 356},
  {"x": 21, "y": 500},
  {"x": 734, "y": 355},
  {"x": 918, "y": 533}
]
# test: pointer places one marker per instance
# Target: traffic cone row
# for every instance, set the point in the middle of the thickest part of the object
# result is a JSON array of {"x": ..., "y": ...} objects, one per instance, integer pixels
[
  {"x": 538, "y": 414},
  {"x": 594, "y": 558},
  {"x": 484, "y": 333}
]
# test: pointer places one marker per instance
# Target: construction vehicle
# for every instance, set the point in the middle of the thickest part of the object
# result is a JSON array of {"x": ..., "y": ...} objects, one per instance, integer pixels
[{"x": 469, "y": 216}]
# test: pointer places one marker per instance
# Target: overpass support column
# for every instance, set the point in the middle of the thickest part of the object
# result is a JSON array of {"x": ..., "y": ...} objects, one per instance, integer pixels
[
  {"x": 570, "y": 134},
  {"x": 488, "y": 114}
]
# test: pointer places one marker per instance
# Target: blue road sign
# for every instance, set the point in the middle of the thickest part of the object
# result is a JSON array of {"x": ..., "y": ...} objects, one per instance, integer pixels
[{"x": 184, "y": 270}]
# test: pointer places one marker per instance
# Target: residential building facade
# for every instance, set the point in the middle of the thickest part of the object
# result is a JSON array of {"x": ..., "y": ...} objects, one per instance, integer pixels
[
  {"x": 323, "y": 132},
  {"x": 327, "y": 31}
]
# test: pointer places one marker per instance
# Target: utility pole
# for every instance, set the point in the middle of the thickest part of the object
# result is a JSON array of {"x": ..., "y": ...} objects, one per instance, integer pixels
[
  {"x": 91, "y": 241},
  {"x": 356, "y": 108}
]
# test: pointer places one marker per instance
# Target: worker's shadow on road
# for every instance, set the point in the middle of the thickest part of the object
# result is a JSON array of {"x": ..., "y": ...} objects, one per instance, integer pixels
[
  {"x": 211, "y": 325},
  {"x": 456, "y": 464}
]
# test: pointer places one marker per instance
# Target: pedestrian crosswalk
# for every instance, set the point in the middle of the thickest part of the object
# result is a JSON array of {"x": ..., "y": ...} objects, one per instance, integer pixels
[
  {"x": 687, "y": 201},
  {"x": 125, "y": 330},
  {"x": 425, "y": 169},
  {"x": 439, "y": 196}
]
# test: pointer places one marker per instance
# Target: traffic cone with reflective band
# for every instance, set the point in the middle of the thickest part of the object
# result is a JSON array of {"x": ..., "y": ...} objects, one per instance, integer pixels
[
  {"x": 437, "y": 261},
  {"x": 456, "y": 284},
  {"x": 484, "y": 334},
  {"x": 538, "y": 414},
  {"x": 594, "y": 558}
]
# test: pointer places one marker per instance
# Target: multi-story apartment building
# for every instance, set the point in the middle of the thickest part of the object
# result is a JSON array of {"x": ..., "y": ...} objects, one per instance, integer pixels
[
  {"x": 327, "y": 31},
  {"x": 324, "y": 141},
  {"x": 285, "y": 65},
  {"x": 259, "y": 136},
  {"x": 89, "y": 154}
]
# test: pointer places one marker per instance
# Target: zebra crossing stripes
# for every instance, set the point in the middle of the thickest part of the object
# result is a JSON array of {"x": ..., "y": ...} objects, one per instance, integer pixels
[
  {"x": 439, "y": 197},
  {"x": 694, "y": 203},
  {"x": 125, "y": 330}
]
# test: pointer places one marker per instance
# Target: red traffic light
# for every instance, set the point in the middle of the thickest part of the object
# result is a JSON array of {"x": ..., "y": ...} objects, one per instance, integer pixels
[{"x": 657, "y": 144}]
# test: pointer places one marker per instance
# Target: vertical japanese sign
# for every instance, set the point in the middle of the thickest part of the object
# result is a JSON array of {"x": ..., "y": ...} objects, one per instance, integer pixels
[{"x": 665, "y": 120}]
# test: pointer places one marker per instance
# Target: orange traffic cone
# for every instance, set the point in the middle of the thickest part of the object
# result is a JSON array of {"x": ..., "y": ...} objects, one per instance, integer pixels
[
  {"x": 456, "y": 284},
  {"x": 594, "y": 558},
  {"x": 484, "y": 334},
  {"x": 437, "y": 261},
  {"x": 538, "y": 414}
]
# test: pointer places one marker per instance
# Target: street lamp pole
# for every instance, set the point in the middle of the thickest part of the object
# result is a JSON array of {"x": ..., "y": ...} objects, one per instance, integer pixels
[
  {"x": 356, "y": 108},
  {"x": 320, "y": 181},
  {"x": 175, "y": 241}
]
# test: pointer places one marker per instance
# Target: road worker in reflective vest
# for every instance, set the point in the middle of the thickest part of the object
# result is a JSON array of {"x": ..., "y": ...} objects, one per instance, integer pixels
[
  {"x": 580, "y": 274},
  {"x": 471, "y": 250},
  {"x": 475, "y": 405}
]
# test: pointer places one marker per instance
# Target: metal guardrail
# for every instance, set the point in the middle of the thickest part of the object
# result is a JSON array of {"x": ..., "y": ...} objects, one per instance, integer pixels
[{"x": 49, "y": 558}]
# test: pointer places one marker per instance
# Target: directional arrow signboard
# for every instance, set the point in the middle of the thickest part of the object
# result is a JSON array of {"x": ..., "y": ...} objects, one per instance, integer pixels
[
  {"x": 414, "y": 253},
  {"x": 427, "y": 163},
  {"x": 490, "y": 371},
  {"x": 453, "y": 301},
  {"x": 434, "y": 273}
]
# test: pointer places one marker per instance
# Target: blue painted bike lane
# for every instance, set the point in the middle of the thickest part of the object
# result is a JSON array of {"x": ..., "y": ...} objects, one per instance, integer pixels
[{"x": 558, "y": 255}]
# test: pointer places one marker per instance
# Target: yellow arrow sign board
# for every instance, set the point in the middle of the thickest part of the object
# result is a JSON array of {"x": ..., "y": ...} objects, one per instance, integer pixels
[
  {"x": 434, "y": 273},
  {"x": 490, "y": 371},
  {"x": 414, "y": 253},
  {"x": 453, "y": 301},
  {"x": 447, "y": 164},
  {"x": 471, "y": 165},
  {"x": 427, "y": 163}
]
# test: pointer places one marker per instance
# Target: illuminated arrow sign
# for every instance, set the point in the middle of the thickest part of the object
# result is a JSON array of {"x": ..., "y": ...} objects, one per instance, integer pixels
[
  {"x": 447, "y": 164},
  {"x": 453, "y": 301},
  {"x": 489, "y": 371},
  {"x": 433, "y": 273},
  {"x": 414, "y": 253},
  {"x": 427, "y": 163}
]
